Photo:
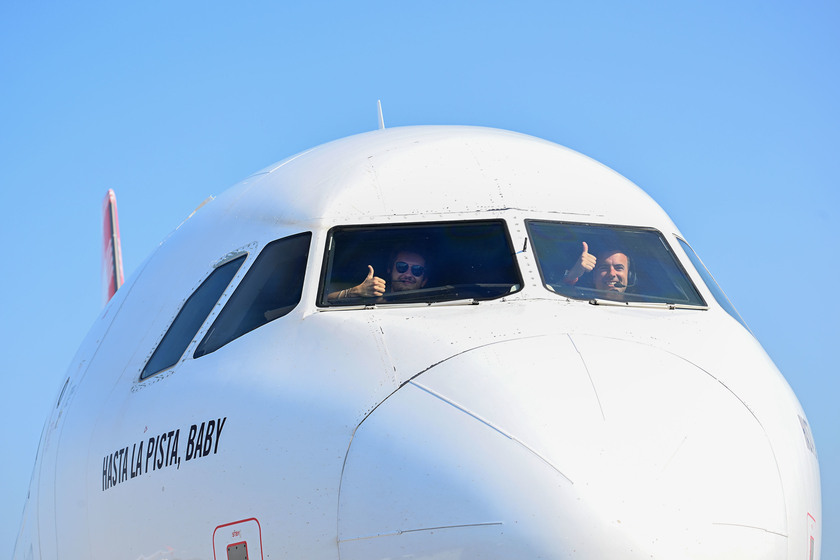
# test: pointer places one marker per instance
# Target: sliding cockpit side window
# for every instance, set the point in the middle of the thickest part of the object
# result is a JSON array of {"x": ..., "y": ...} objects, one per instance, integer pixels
[
  {"x": 711, "y": 283},
  {"x": 598, "y": 262},
  {"x": 270, "y": 289},
  {"x": 190, "y": 318},
  {"x": 418, "y": 263}
]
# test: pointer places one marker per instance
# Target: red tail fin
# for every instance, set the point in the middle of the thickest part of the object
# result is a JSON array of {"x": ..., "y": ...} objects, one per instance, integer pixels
[{"x": 112, "y": 269}]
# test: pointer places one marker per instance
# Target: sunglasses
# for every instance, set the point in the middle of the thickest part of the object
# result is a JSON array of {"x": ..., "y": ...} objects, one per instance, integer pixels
[{"x": 416, "y": 269}]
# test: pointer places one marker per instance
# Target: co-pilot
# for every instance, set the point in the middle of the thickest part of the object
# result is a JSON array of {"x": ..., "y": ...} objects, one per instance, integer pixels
[{"x": 610, "y": 271}]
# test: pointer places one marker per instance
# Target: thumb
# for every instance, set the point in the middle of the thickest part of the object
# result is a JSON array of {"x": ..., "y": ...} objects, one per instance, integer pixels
[
  {"x": 585, "y": 247},
  {"x": 370, "y": 273}
]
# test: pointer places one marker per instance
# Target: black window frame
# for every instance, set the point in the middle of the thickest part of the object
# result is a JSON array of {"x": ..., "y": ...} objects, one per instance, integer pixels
[
  {"x": 391, "y": 236},
  {"x": 707, "y": 278},
  {"x": 191, "y": 317},
  {"x": 615, "y": 239},
  {"x": 250, "y": 306}
]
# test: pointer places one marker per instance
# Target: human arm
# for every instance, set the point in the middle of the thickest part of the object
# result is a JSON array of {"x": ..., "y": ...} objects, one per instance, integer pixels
[
  {"x": 371, "y": 286},
  {"x": 585, "y": 263}
]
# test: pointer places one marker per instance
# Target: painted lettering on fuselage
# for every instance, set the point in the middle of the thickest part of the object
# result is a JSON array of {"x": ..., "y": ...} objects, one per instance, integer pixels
[
  {"x": 160, "y": 452},
  {"x": 204, "y": 439}
]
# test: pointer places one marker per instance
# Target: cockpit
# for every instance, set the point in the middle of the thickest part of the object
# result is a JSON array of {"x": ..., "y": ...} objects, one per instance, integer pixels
[
  {"x": 434, "y": 263},
  {"x": 476, "y": 260},
  {"x": 448, "y": 261},
  {"x": 649, "y": 271}
]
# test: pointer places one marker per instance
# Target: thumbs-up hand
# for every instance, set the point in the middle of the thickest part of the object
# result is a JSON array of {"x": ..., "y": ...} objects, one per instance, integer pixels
[
  {"x": 371, "y": 286},
  {"x": 585, "y": 263}
]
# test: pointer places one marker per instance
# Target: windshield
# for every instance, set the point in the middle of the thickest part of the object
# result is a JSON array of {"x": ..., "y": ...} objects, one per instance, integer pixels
[
  {"x": 418, "y": 263},
  {"x": 586, "y": 261},
  {"x": 717, "y": 291}
]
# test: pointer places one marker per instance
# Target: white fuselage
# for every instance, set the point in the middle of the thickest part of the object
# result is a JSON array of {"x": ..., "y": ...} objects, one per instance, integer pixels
[{"x": 532, "y": 425}]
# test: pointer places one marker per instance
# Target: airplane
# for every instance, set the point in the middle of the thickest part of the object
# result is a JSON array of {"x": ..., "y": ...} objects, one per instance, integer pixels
[{"x": 261, "y": 388}]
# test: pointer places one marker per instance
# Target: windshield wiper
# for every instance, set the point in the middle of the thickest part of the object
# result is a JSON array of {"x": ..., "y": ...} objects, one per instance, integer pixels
[
  {"x": 401, "y": 305},
  {"x": 648, "y": 304}
]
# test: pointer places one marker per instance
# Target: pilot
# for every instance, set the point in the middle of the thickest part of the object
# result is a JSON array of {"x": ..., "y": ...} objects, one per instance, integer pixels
[
  {"x": 407, "y": 271},
  {"x": 611, "y": 269}
]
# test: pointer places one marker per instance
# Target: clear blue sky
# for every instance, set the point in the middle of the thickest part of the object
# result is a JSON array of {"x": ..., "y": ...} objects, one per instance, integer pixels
[{"x": 725, "y": 112}]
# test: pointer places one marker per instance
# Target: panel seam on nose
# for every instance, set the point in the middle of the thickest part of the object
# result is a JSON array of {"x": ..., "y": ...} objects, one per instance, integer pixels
[{"x": 492, "y": 426}]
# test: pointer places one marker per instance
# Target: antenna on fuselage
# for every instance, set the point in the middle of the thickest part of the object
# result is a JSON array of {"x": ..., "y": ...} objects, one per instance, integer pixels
[{"x": 381, "y": 118}]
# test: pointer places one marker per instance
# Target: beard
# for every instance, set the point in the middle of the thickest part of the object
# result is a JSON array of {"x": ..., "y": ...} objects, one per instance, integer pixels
[{"x": 404, "y": 283}]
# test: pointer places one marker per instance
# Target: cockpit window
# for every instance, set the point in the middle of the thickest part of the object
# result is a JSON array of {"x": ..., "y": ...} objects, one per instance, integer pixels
[
  {"x": 623, "y": 264},
  {"x": 270, "y": 289},
  {"x": 713, "y": 286},
  {"x": 418, "y": 263},
  {"x": 190, "y": 318}
]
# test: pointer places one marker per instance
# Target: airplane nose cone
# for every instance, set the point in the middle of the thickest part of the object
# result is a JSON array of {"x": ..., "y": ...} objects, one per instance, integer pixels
[{"x": 562, "y": 446}]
